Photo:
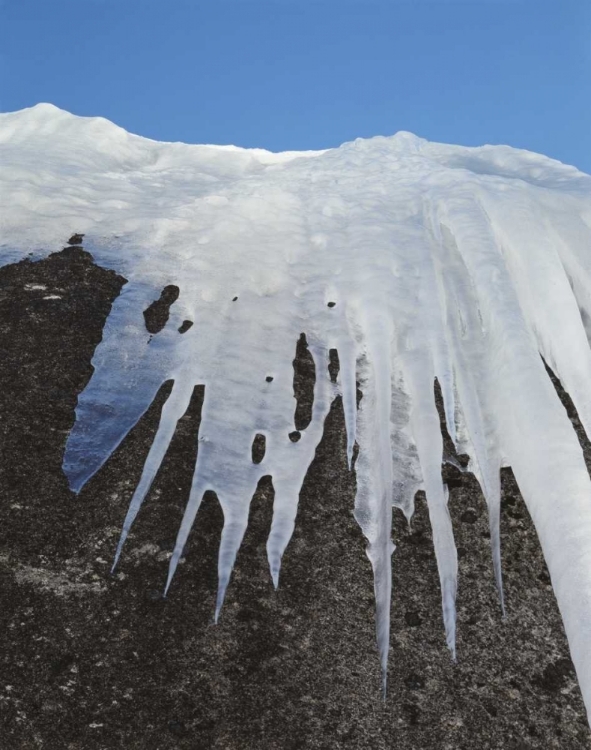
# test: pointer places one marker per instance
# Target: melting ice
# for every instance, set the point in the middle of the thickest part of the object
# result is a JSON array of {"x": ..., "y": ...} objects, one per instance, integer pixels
[{"x": 440, "y": 262}]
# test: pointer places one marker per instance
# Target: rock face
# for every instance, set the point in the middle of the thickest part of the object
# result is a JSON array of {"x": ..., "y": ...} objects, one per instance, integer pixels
[{"x": 91, "y": 661}]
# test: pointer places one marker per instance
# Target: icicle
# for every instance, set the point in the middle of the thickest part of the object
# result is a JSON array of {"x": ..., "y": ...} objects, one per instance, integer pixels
[
  {"x": 117, "y": 396},
  {"x": 174, "y": 408},
  {"x": 373, "y": 502},
  {"x": 493, "y": 500},
  {"x": 291, "y": 462},
  {"x": 285, "y": 509},
  {"x": 531, "y": 250},
  {"x": 424, "y": 421},
  {"x": 537, "y": 438},
  {"x": 475, "y": 381},
  {"x": 195, "y": 497},
  {"x": 235, "y": 522},
  {"x": 421, "y": 260}
]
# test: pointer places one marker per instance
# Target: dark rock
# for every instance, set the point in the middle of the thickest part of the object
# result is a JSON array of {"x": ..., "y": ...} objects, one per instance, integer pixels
[
  {"x": 555, "y": 674},
  {"x": 92, "y": 664},
  {"x": 258, "y": 448},
  {"x": 413, "y": 619},
  {"x": 544, "y": 577},
  {"x": 157, "y": 313},
  {"x": 177, "y": 728},
  {"x": 414, "y": 681},
  {"x": 304, "y": 378},
  {"x": 412, "y": 713},
  {"x": 185, "y": 325},
  {"x": 166, "y": 545},
  {"x": 333, "y": 365},
  {"x": 61, "y": 665}
]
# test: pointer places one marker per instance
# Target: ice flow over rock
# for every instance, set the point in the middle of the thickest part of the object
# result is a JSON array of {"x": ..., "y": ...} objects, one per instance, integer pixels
[{"x": 415, "y": 261}]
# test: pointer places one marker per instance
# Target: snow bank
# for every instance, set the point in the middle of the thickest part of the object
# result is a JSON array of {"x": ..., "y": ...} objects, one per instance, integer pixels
[{"x": 461, "y": 264}]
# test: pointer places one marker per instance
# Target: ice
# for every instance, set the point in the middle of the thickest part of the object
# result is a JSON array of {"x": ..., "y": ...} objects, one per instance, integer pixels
[{"x": 415, "y": 261}]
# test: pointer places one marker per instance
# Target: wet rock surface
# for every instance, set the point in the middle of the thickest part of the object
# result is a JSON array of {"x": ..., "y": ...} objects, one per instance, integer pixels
[{"x": 92, "y": 661}]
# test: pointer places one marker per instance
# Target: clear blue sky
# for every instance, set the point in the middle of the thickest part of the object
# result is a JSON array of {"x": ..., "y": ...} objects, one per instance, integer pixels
[{"x": 297, "y": 74}]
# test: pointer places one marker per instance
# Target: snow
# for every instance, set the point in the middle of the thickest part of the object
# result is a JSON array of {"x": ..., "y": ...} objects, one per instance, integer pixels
[{"x": 461, "y": 264}]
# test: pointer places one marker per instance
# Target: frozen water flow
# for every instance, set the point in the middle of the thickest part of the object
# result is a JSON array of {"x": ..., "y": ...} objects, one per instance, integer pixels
[
  {"x": 373, "y": 504},
  {"x": 474, "y": 380},
  {"x": 415, "y": 261},
  {"x": 291, "y": 463},
  {"x": 424, "y": 423},
  {"x": 174, "y": 408}
]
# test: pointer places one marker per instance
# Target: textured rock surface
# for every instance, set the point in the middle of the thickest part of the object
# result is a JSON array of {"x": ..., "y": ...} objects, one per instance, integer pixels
[{"x": 92, "y": 661}]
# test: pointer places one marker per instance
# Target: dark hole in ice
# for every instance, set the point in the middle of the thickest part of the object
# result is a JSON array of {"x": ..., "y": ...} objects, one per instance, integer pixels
[
  {"x": 304, "y": 377},
  {"x": 269, "y": 378},
  {"x": 157, "y": 313},
  {"x": 185, "y": 325},
  {"x": 76, "y": 239},
  {"x": 355, "y": 455},
  {"x": 258, "y": 448},
  {"x": 295, "y": 436},
  {"x": 333, "y": 365},
  {"x": 331, "y": 304}
]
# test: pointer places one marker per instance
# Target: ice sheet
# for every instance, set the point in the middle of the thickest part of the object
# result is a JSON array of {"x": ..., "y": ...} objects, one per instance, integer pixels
[{"x": 414, "y": 260}]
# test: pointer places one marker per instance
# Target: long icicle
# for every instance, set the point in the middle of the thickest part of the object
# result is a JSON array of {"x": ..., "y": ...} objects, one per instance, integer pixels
[
  {"x": 174, "y": 408},
  {"x": 373, "y": 502}
]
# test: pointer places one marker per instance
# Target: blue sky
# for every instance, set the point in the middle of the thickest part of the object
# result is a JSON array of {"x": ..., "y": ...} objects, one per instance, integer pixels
[{"x": 298, "y": 74}]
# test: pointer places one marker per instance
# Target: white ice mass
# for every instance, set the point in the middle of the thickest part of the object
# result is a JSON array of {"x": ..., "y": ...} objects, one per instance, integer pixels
[{"x": 461, "y": 264}]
